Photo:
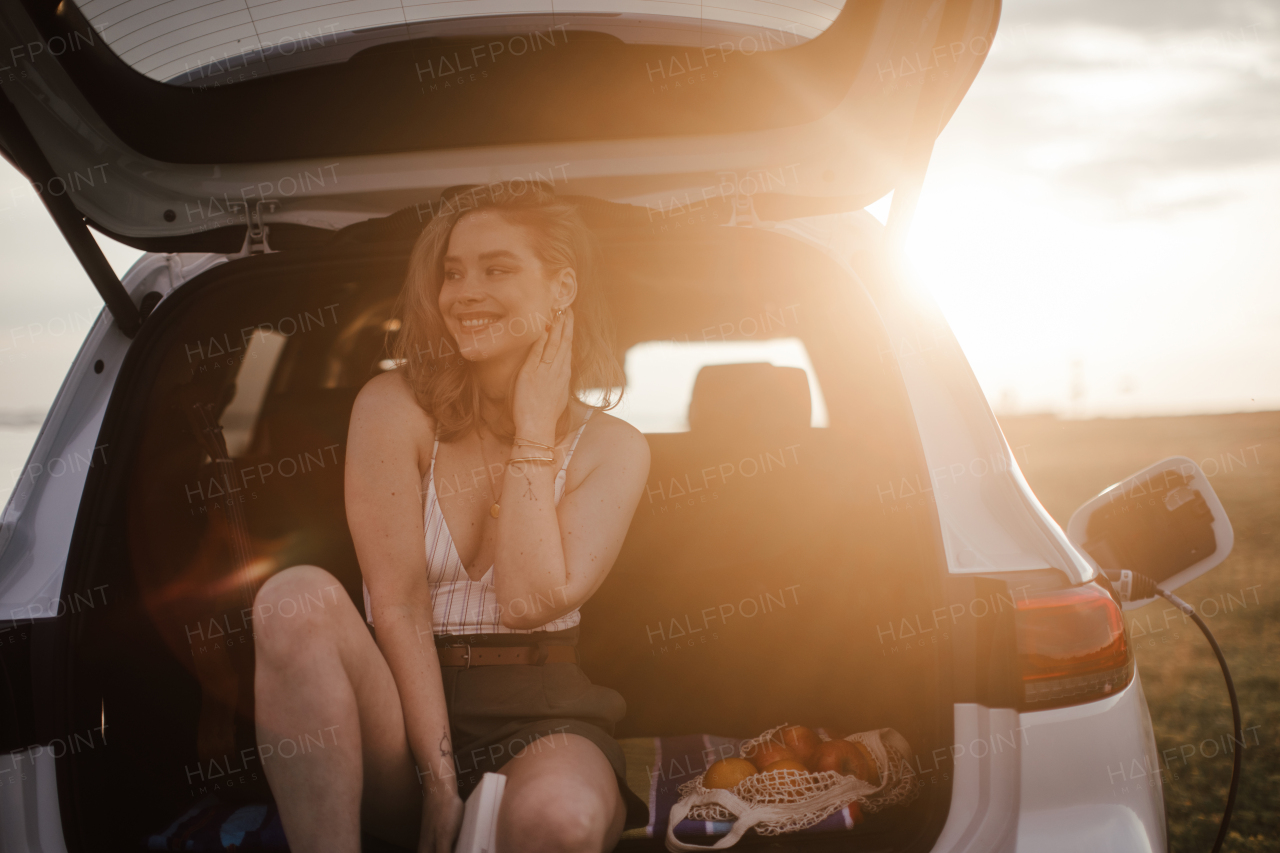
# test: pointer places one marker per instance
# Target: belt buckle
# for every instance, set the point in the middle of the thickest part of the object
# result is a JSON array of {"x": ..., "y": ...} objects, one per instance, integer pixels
[{"x": 467, "y": 656}]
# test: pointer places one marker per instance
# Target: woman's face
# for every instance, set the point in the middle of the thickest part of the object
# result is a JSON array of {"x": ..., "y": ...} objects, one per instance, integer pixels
[{"x": 496, "y": 298}]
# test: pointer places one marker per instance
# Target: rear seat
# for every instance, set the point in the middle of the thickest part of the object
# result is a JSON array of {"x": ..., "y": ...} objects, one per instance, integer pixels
[
  {"x": 725, "y": 489},
  {"x": 725, "y": 566},
  {"x": 748, "y": 589}
]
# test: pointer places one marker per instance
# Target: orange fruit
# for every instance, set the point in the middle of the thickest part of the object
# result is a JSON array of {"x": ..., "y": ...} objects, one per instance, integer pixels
[
  {"x": 768, "y": 752},
  {"x": 804, "y": 742},
  {"x": 848, "y": 758},
  {"x": 786, "y": 764},
  {"x": 727, "y": 773}
]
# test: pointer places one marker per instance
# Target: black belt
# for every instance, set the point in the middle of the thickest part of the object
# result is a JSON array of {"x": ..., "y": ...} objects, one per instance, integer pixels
[{"x": 469, "y": 656}]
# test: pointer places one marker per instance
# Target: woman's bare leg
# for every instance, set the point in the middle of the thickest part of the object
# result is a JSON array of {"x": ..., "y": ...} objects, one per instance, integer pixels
[
  {"x": 329, "y": 722},
  {"x": 561, "y": 796}
]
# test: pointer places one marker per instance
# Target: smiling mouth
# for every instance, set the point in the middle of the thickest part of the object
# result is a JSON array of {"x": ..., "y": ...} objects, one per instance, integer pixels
[{"x": 474, "y": 322}]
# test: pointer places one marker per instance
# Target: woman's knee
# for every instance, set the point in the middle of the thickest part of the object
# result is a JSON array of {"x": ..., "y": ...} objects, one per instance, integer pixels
[
  {"x": 551, "y": 819},
  {"x": 294, "y": 603},
  {"x": 308, "y": 587},
  {"x": 552, "y": 830}
]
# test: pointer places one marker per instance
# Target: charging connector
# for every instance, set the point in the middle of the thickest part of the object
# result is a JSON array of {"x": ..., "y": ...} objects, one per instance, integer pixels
[{"x": 1131, "y": 586}]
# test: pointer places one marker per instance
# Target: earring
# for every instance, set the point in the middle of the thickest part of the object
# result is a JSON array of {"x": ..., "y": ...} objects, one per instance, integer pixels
[{"x": 559, "y": 311}]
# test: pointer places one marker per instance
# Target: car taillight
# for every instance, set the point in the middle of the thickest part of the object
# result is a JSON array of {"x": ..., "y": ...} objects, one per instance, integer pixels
[{"x": 1071, "y": 647}]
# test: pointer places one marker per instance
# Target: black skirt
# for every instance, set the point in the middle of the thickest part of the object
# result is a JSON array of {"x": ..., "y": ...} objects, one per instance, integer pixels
[{"x": 496, "y": 711}]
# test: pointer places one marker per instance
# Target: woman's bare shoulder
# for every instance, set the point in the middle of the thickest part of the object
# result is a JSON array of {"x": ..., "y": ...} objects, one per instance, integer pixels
[
  {"x": 386, "y": 403},
  {"x": 615, "y": 437}
]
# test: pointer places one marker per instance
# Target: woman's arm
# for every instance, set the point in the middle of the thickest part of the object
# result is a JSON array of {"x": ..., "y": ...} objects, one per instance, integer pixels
[
  {"x": 385, "y": 454},
  {"x": 550, "y": 561}
]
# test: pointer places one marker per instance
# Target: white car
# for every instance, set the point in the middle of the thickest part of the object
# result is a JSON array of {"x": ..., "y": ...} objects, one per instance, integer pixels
[{"x": 834, "y": 531}]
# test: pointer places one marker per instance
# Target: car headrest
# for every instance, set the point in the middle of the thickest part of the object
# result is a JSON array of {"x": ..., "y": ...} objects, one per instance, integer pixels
[{"x": 749, "y": 399}]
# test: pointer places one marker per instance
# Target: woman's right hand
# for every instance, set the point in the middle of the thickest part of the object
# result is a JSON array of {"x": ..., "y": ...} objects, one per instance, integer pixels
[
  {"x": 441, "y": 820},
  {"x": 542, "y": 385}
]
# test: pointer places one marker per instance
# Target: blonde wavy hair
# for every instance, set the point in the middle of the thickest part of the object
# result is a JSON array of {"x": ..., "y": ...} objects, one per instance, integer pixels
[{"x": 442, "y": 381}]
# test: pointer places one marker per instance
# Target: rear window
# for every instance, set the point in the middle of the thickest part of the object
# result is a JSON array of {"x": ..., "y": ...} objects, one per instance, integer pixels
[
  {"x": 661, "y": 376},
  {"x": 178, "y": 42}
]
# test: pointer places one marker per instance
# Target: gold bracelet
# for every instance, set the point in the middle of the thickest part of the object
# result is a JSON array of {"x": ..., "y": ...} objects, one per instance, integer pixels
[
  {"x": 531, "y": 443},
  {"x": 545, "y": 459}
]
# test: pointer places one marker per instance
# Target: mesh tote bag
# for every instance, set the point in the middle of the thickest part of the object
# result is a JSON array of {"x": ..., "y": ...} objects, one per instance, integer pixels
[{"x": 790, "y": 800}]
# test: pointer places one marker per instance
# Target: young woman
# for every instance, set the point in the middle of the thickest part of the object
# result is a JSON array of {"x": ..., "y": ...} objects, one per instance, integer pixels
[{"x": 479, "y": 445}]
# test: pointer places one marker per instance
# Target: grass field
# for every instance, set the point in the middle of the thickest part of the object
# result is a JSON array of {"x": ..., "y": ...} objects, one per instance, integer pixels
[{"x": 1067, "y": 462}]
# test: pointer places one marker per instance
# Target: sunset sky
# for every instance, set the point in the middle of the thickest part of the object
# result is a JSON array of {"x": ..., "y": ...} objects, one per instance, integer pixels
[
  {"x": 1099, "y": 223},
  {"x": 1100, "y": 216}
]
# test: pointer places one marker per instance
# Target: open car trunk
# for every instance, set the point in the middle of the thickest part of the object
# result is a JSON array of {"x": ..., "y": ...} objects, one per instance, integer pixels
[{"x": 753, "y": 587}]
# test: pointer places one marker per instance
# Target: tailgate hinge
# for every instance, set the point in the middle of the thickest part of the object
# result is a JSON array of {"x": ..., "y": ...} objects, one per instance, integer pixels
[
  {"x": 742, "y": 210},
  {"x": 255, "y": 234}
]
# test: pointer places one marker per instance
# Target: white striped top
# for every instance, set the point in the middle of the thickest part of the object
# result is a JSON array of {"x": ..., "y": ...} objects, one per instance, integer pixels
[{"x": 460, "y": 605}]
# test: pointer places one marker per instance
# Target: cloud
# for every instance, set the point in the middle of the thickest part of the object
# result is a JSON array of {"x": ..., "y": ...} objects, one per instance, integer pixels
[
  {"x": 1137, "y": 114},
  {"x": 1185, "y": 15}
]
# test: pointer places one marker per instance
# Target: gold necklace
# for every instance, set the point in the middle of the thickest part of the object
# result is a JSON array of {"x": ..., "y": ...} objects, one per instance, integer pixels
[{"x": 494, "y": 508}]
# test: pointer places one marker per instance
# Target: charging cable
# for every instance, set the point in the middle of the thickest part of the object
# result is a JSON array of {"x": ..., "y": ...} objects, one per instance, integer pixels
[{"x": 1132, "y": 586}]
